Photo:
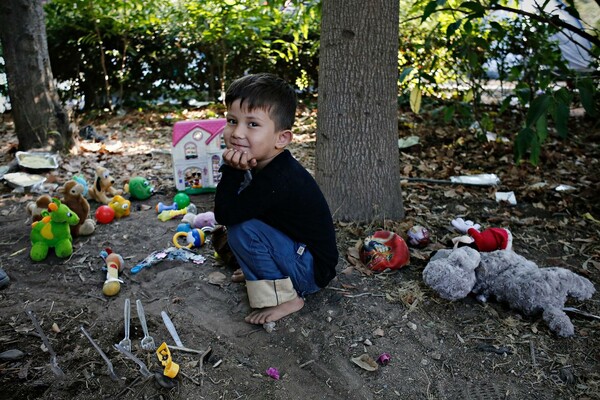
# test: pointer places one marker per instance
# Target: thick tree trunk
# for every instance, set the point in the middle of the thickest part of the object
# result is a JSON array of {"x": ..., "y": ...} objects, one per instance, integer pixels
[
  {"x": 37, "y": 112},
  {"x": 358, "y": 166}
]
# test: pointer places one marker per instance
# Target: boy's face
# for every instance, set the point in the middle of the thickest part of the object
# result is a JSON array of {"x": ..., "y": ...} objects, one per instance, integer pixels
[{"x": 253, "y": 132}]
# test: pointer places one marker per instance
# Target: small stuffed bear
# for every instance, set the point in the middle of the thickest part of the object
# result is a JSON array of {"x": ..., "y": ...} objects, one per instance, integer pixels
[
  {"x": 73, "y": 197},
  {"x": 509, "y": 278},
  {"x": 102, "y": 190}
]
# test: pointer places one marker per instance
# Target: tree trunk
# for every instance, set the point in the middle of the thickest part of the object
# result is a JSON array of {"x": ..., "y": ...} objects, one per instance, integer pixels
[
  {"x": 37, "y": 112},
  {"x": 358, "y": 166}
]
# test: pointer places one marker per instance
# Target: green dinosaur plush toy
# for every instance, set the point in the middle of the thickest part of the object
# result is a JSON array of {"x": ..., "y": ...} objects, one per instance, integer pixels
[{"x": 53, "y": 231}]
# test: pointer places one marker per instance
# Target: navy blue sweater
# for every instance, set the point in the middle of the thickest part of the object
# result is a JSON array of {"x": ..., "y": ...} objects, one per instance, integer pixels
[{"x": 284, "y": 195}]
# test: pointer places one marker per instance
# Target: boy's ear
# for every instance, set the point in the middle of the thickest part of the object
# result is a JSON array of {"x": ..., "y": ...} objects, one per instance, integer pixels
[{"x": 283, "y": 138}]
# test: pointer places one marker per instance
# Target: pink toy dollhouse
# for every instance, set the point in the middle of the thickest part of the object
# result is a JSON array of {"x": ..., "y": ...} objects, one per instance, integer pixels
[{"x": 197, "y": 150}]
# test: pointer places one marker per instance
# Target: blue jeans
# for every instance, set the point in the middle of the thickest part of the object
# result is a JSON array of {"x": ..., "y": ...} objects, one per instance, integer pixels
[{"x": 265, "y": 253}]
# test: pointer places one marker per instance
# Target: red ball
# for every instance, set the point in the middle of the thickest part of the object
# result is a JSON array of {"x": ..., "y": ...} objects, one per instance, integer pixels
[{"x": 105, "y": 214}]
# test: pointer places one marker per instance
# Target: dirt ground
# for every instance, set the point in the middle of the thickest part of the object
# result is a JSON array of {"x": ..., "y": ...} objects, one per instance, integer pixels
[{"x": 438, "y": 349}]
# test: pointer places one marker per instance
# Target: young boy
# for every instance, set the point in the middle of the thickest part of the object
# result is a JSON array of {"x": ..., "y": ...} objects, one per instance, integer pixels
[{"x": 278, "y": 223}]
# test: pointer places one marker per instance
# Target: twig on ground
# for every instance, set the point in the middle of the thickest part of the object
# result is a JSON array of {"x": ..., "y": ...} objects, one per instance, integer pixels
[{"x": 306, "y": 363}]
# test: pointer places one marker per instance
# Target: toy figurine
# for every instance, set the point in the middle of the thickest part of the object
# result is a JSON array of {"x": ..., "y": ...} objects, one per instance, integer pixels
[
  {"x": 120, "y": 206},
  {"x": 139, "y": 188},
  {"x": 73, "y": 197},
  {"x": 194, "y": 238},
  {"x": 164, "y": 356},
  {"x": 114, "y": 265},
  {"x": 103, "y": 191},
  {"x": 53, "y": 231}
]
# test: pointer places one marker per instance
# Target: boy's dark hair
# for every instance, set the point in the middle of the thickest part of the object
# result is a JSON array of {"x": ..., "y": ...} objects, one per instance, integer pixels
[{"x": 268, "y": 92}]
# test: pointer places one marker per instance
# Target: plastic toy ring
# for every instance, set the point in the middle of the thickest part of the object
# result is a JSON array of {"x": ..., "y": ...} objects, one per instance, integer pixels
[{"x": 194, "y": 238}]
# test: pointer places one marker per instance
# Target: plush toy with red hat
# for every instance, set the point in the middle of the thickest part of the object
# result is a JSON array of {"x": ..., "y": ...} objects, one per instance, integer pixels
[
  {"x": 490, "y": 239},
  {"x": 384, "y": 250}
]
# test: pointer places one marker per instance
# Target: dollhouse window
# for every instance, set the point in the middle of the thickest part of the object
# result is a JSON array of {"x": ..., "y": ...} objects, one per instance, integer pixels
[{"x": 190, "y": 150}]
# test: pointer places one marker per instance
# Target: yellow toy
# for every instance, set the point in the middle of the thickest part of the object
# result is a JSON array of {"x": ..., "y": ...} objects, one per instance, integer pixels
[
  {"x": 170, "y": 214},
  {"x": 194, "y": 238},
  {"x": 121, "y": 206},
  {"x": 114, "y": 265},
  {"x": 164, "y": 356}
]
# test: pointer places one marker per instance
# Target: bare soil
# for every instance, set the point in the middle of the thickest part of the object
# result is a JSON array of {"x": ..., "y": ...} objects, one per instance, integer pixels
[{"x": 438, "y": 349}]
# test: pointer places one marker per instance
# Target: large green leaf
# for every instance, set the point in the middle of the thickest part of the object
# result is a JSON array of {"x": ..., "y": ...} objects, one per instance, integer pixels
[
  {"x": 429, "y": 9},
  {"x": 586, "y": 91},
  {"x": 535, "y": 150},
  {"x": 539, "y": 107},
  {"x": 561, "y": 119},
  {"x": 523, "y": 142}
]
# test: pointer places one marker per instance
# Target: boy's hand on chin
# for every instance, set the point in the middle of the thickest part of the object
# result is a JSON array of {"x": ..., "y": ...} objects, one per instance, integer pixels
[{"x": 238, "y": 159}]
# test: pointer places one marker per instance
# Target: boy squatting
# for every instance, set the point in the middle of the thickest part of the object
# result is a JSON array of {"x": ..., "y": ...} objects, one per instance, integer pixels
[{"x": 279, "y": 225}]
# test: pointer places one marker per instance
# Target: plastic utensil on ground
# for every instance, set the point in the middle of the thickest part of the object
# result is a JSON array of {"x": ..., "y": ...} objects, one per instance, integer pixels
[
  {"x": 171, "y": 328},
  {"x": 53, "y": 359},
  {"x": 111, "y": 370},
  {"x": 126, "y": 342},
  {"x": 147, "y": 341},
  {"x": 143, "y": 368}
]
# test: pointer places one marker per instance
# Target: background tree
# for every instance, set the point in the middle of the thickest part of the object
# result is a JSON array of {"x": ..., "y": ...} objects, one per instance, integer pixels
[
  {"x": 36, "y": 107},
  {"x": 357, "y": 162}
]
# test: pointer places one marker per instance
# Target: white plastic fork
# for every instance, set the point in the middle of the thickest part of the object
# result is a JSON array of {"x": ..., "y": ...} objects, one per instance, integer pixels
[
  {"x": 148, "y": 341},
  {"x": 126, "y": 342}
]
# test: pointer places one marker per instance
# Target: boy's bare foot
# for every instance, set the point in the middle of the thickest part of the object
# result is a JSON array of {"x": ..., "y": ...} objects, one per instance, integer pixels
[
  {"x": 238, "y": 276},
  {"x": 272, "y": 314}
]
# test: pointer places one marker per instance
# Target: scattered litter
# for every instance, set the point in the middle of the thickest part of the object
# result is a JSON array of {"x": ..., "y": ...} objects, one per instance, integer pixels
[
  {"x": 170, "y": 253},
  {"x": 273, "y": 373},
  {"x": 384, "y": 359},
  {"x": 37, "y": 160},
  {"x": 565, "y": 188},
  {"x": 378, "y": 332},
  {"x": 508, "y": 197},
  {"x": 365, "y": 362},
  {"x": 480, "y": 179},
  {"x": 269, "y": 326},
  {"x": 53, "y": 359},
  {"x": 24, "y": 180},
  {"x": 11, "y": 355},
  {"x": 409, "y": 141}
]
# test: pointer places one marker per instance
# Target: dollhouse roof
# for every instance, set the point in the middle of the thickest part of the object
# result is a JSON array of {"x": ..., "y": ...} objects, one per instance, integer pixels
[{"x": 213, "y": 126}]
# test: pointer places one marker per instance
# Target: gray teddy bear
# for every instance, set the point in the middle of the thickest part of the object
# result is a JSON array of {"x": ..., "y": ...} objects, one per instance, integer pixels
[{"x": 509, "y": 278}]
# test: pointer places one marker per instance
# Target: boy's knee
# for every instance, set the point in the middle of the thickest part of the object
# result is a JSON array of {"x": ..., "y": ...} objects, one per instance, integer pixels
[{"x": 241, "y": 233}]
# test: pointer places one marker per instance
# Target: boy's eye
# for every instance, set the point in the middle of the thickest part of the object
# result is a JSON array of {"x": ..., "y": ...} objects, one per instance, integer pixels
[
  {"x": 252, "y": 124},
  {"x": 231, "y": 121}
]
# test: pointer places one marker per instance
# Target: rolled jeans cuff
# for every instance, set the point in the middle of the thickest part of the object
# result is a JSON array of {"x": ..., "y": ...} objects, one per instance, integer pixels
[{"x": 270, "y": 293}]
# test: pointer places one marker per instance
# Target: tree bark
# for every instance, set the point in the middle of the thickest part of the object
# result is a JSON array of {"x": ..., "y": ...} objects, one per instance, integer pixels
[
  {"x": 357, "y": 158},
  {"x": 39, "y": 117}
]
